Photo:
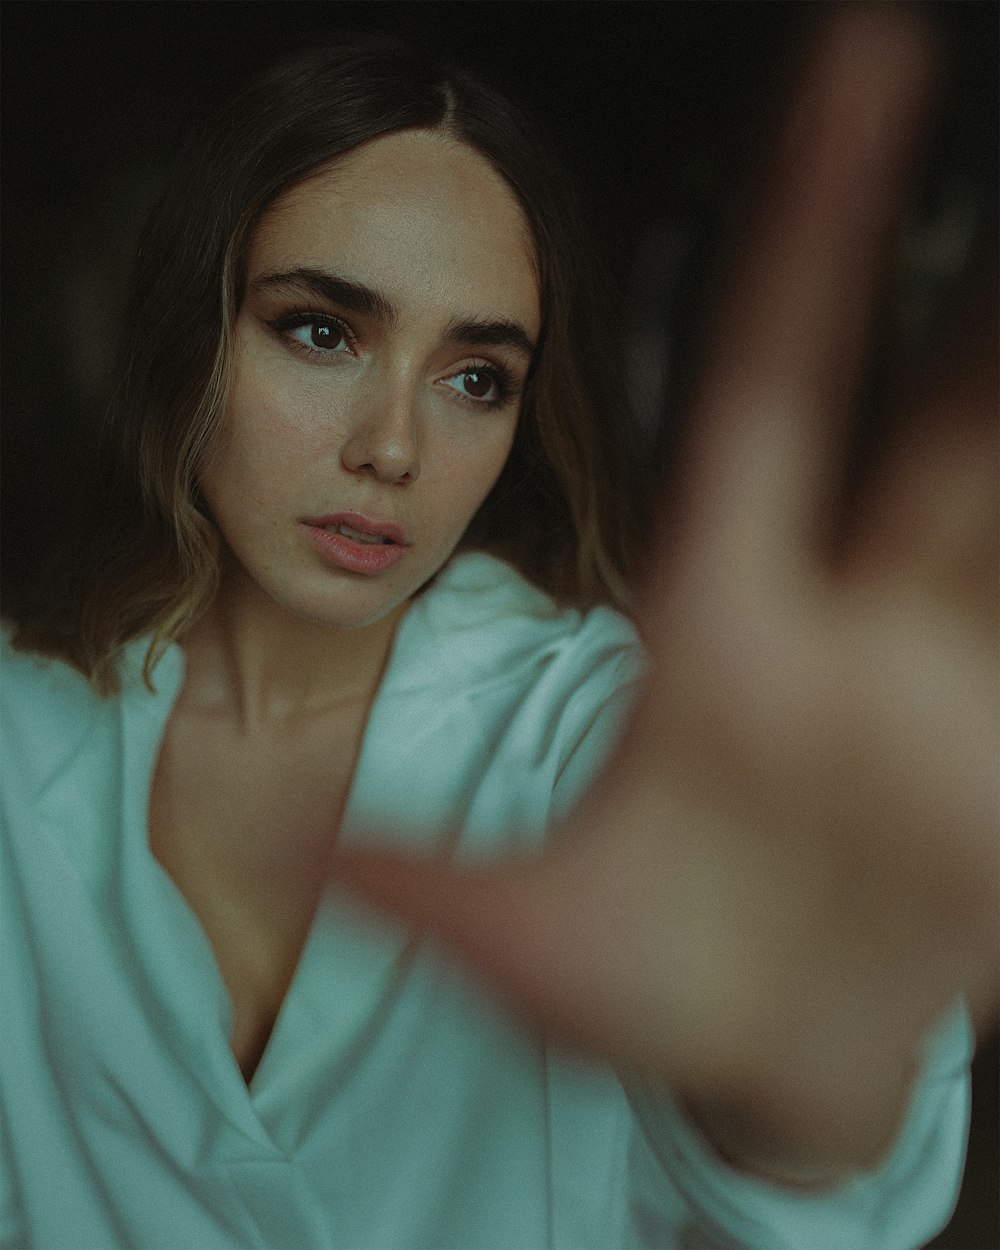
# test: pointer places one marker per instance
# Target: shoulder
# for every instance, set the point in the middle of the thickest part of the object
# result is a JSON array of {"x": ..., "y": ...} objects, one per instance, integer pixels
[
  {"x": 489, "y": 625},
  {"x": 47, "y": 710},
  {"x": 498, "y": 706},
  {"x": 49, "y": 713}
]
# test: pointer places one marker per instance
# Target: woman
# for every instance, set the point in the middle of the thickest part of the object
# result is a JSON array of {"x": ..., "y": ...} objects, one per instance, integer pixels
[{"x": 353, "y": 349}]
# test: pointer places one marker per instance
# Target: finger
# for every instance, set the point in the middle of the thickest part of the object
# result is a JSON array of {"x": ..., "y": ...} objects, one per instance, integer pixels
[
  {"x": 932, "y": 513},
  {"x": 536, "y": 932},
  {"x": 786, "y": 354},
  {"x": 495, "y": 919},
  {"x": 604, "y": 943}
]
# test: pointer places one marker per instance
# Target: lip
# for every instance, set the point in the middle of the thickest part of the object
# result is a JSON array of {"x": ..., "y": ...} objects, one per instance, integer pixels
[
  {"x": 364, "y": 525},
  {"x": 354, "y": 557}
]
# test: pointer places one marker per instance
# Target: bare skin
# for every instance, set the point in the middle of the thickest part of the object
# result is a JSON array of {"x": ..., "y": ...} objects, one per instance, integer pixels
[
  {"x": 334, "y": 409},
  {"x": 219, "y": 800},
  {"x": 243, "y": 811}
]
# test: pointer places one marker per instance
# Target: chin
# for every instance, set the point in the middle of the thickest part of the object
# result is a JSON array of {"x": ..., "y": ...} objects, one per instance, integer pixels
[{"x": 344, "y": 607}]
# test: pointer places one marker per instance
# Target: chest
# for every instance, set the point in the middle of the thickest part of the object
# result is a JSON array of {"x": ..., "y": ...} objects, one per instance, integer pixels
[{"x": 244, "y": 827}]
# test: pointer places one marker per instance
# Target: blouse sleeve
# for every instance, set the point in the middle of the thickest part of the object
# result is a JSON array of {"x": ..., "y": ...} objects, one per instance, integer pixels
[{"x": 898, "y": 1206}]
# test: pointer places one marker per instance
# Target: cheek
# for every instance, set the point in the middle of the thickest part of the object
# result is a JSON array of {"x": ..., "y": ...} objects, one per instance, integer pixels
[
  {"x": 473, "y": 467},
  {"x": 472, "y": 477},
  {"x": 265, "y": 438},
  {"x": 502, "y": 453}
]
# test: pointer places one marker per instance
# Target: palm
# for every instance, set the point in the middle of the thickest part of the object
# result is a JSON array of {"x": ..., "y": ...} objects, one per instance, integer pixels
[{"x": 789, "y": 866}]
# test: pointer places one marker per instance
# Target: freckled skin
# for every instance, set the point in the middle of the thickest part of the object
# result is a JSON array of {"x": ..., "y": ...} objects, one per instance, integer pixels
[{"x": 379, "y": 430}]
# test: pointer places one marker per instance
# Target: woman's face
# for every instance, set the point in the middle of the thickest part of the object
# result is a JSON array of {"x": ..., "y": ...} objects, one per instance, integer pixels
[{"x": 389, "y": 314}]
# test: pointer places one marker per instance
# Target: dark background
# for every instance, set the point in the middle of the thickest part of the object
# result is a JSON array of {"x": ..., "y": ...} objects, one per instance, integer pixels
[{"x": 657, "y": 109}]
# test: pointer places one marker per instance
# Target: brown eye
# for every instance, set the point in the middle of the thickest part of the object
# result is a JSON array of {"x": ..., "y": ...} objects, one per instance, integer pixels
[
  {"x": 314, "y": 335},
  {"x": 483, "y": 386},
  {"x": 477, "y": 383},
  {"x": 325, "y": 335}
]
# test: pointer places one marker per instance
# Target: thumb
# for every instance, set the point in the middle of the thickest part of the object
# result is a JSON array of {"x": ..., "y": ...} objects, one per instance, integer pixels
[{"x": 530, "y": 929}]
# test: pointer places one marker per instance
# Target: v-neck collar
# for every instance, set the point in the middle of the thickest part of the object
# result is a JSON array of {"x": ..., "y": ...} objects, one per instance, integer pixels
[
  {"x": 347, "y": 966},
  {"x": 349, "y": 963}
]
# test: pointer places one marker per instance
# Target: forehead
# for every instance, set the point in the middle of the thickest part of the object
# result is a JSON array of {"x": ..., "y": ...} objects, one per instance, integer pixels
[{"x": 418, "y": 214}]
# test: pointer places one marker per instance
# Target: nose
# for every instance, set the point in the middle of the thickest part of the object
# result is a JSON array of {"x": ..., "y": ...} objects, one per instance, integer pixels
[{"x": 383, "y": 439}]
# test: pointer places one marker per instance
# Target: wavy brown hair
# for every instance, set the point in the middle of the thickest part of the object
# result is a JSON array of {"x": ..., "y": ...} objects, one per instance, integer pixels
[{"x": 567, "y": 510}]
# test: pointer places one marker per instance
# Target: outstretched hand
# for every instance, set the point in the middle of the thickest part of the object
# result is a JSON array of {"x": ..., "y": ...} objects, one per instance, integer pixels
[{"x": 789, "y": 868}]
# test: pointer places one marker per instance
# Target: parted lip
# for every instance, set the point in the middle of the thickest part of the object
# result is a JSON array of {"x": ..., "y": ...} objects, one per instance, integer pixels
[{"x": 364, "y": 525}]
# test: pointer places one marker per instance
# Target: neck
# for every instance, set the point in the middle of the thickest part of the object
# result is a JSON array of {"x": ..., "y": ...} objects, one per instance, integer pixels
[{"x": 250, "y": 659}]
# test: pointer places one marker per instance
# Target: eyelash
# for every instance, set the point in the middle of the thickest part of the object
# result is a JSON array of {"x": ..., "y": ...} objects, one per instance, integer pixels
[{"x": 504, "y": 382}]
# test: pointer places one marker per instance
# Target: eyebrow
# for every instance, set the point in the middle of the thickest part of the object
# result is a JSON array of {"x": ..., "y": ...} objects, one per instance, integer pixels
[{"x": 368, "y": 301}]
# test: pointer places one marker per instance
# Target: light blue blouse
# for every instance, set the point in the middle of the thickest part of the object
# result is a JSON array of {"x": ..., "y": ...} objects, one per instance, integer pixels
[{"x": 396, "y": 1106}]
